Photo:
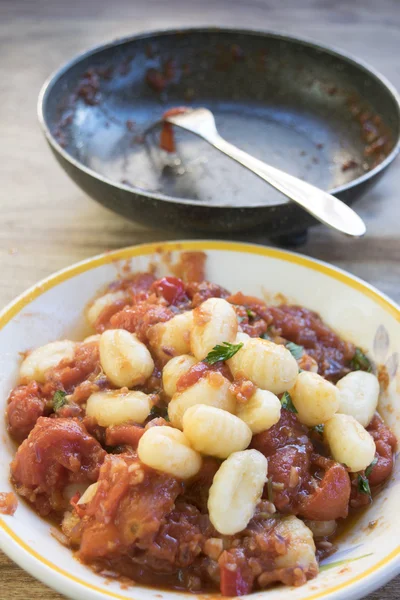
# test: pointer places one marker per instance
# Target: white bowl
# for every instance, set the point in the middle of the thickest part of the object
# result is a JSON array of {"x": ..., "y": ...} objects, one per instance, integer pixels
[{"x": 53, "y": 309}]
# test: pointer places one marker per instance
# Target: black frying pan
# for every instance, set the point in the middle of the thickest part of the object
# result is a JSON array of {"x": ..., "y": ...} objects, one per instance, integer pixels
[{"x": 301, "y": 107}]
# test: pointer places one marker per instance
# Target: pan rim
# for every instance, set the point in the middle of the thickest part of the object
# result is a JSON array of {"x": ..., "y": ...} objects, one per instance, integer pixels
[{"x": 148, "y": 34}]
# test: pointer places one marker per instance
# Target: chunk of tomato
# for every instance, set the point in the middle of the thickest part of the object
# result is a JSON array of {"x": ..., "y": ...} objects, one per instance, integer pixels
[
  {"x": 171, "y": 288},
  {"x": 233, "y": 583}
]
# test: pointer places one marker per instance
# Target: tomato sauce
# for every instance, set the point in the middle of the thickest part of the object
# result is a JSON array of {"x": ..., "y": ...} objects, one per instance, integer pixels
[
  {"x": 306, "y": 328},
  {"x": 8, "y": 503},
  {"x": 150, "y": 526},
  {"x": 198, "y": 371}
]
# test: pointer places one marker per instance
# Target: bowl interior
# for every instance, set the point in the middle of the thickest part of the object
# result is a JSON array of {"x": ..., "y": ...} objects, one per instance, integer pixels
[
  {"x": 307, "y": 110},
  {"x": 53, "y": 309}
]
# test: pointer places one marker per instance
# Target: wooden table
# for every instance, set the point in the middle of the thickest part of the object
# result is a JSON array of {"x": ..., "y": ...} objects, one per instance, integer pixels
[{"x": 47, "y": 223}]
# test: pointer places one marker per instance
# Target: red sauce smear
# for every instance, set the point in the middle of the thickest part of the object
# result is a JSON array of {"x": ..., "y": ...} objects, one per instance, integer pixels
[{"x": 167, "y": 139}]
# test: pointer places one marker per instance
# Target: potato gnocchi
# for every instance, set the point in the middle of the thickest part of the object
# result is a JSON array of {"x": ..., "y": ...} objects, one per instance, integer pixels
[
  {"x": 103, "y": 302},
  {"x": 35, "y": 366},
  {"x": 173, "y": 337},
  {"x": 214, "y": 322},
  {"x": 235, "y": 491},
  {"x": 261, "y": 411},
  {"x": 214, "y": 451},
  {"x": 117, "y": 407},
  {"x": 168, "y": 450},
  {"x": 269, "y": 366},
  {"x": 349, "y": 442},
  {"x": 125, "y": 360},
  {"x": 316, "y": 400},
  {"x": 173, "y": 371},
  {"x": 358, "y": 396},
  {"x": 212, "y": 389},
  {"x": 214, "y": 431}
]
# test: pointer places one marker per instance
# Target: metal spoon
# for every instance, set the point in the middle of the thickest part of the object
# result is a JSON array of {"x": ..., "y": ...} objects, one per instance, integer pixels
[{"x": 326, "y": 208}]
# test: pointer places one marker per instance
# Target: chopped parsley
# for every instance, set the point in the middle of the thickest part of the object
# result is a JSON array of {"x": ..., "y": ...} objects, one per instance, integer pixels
[
  {"x": 360, "y": 362},
  {"x": 222, "y": 352},
  {"x": 370, "y": 467},
  {"x": 339, "y": 563},
  {"x": 250, "y": 313},
  {"x": 59, "y": 400},
  {"x": 287, "y": 403},
  {"x": 319, "y": 428},
  {"x": 268, "y": 334},
  {"x": 296, "y": 350},
  {"x": 363, "y": 485},
  {"x": 159, "y": 411},
  {"x": 270, "y": 490}
]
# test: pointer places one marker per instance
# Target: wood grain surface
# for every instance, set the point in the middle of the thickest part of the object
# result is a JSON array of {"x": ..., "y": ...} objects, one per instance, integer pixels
[{"x": 47, "y": 223}]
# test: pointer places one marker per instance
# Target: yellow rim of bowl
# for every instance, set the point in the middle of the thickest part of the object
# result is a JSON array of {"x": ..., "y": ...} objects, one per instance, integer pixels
[{"x": 142, "y": 250}]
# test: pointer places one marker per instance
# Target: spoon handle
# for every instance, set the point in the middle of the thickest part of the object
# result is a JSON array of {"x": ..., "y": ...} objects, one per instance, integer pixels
[{"x": 323, "y": 206}]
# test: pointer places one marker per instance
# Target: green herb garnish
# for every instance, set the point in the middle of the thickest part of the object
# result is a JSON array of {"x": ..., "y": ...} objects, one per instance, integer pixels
[
  {"x": 319, "y": 428},
  {"x": 270, "y": 490},
  {"x": 363, "y": 485},
  {"x": 59, "y": 400},
  {"x": 269, "y": 334},
  {"x": 296, "y": 350},
  {"x": 370, "y": 467},
  {"x": 250, "y": 313},
  {"x": 222, "y": 352},
  {"x": 159, "y": 411},
  {"x": 287, "y": 402},
  {"x": 360, "y": 362},
  {"x": 120, "y": 449},
  {"x": 339, "y": 563}
]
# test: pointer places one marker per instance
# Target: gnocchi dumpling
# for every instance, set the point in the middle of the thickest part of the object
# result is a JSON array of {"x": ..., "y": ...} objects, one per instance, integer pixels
[
  {"x": 261, "y": 411},
  {"x": 212, "y": 389},
  {"x": 102, "y": 302},
  {"x": 300, "y": 547},
  {"x": 349, "y": 442},
  {"x": 91, "y": 339},
  {"x": 124, "y": 359},
  {"x": 214, "y": 322},
  {"x": 214, "y": 431},
  {"x": 236, "y": 490},
  {"x": 46, "y": 357},
  {"x": 172, "y": 338},
  {"x": 316, "y": 399},
  {"x": 358, "y": 396},
  {"x": 116, "y": 407},
  {"x": 321, "y": 529},
  {"x": 173, "y": 371},
  {"x": 241, "y": 337},
  {"x": 269, "y": 366},
  {"x": 166, "y": 449}
]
